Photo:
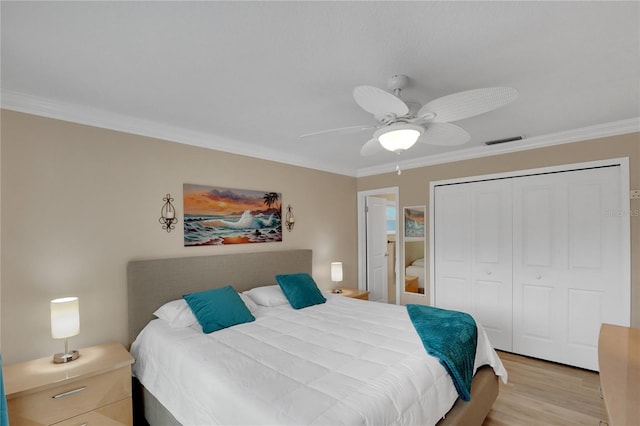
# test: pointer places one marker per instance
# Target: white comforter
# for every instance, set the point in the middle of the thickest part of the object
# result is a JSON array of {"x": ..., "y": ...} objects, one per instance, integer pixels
[{"x": 347, "y": 361}]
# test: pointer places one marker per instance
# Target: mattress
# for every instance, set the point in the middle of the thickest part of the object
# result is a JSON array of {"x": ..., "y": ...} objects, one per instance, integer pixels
[{"x": 346, "y": 361}]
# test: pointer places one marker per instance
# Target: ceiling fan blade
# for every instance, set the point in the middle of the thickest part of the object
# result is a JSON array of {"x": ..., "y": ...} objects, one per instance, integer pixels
[
  {"x": 340, "y": 130},
  {"x": 444, "y": 134},
  {"x": 458, "y": 106},
  {"x": 378, "y": 102},
  {"x": 371, "y": 147}
]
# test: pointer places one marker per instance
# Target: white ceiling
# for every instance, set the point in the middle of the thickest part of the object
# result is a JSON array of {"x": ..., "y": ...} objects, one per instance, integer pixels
[{"x": 250, "y": 77}]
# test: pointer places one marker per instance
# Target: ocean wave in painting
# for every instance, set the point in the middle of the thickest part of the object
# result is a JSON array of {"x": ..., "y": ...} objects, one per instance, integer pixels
[
  {"x": 218, "y": 230},
  {"x": 246, "y": 221}
]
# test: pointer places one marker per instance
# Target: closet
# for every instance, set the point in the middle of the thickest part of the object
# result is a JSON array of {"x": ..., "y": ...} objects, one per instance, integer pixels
[{"x": 540, "y": 260}]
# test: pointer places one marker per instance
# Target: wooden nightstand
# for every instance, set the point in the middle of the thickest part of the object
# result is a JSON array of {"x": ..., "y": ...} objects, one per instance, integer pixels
[
  {"x": 94, "y": 389},
  {"x": 354, "y": 293},
  {"x": 411, "y": 284}
]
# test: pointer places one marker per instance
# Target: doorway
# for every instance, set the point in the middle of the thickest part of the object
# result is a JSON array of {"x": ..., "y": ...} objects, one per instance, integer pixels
[{"x": 378, "y": 226}]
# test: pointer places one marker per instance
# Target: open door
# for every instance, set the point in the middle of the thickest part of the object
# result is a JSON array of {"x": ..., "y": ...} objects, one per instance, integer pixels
[
  {"x": 378, "y": 225},
  {"x": 376, "y": 217}
]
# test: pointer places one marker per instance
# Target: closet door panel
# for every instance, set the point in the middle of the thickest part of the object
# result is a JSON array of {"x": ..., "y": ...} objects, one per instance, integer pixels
[
  {"x": 536, "y": 226},
  {"x": 453, "y": 267},
  {"x": 583, "y": 319},
  {"x": 455, "y": 293},
  {"x": 535, "y": 328},
  {"x": 473, "y": 254},
  {"x": 454, "y": 227},
  {"x": 536, "y": 258},
  {"x": 489, "y": 310},
  {"x": 492, "y": 258},
  {"x": 566, "y": 246},
  {"x": 595, "y": 290},
  {"x": 585, "y": 240}
]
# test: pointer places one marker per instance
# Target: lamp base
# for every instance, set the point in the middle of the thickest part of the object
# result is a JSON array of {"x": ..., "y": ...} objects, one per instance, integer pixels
[{"x": 68, "y": 357}]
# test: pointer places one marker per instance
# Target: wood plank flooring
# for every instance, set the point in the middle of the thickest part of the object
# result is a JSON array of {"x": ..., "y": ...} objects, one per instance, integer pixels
[{"x": 545, "y": 393}]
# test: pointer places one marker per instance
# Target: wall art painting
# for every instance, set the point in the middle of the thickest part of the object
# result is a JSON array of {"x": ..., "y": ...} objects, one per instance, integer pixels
[
  {"x": 221, "y": 216},
  {"x": 414, "y": 222}
]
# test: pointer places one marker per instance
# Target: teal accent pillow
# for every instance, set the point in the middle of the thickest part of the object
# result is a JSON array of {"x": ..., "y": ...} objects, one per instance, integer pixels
[
  {"x": 218, "y": 308},
  {"x": 300, "y": 290}
]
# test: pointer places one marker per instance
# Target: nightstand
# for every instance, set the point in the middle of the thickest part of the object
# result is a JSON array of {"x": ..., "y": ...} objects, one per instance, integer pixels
[
  {"x": 354, "y": 293},
  {"x": 94, "y": 389},
  {"x": 411, "y": 284}
]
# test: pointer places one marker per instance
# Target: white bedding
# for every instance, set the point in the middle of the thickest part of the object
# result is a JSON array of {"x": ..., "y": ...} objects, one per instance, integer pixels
[
  {"x": 347, "y": 361},
  {"x": 416, "y": 271}
]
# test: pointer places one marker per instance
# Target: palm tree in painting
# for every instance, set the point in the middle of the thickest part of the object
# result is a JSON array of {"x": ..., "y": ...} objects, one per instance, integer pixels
[{"x": 271, "y": 200}]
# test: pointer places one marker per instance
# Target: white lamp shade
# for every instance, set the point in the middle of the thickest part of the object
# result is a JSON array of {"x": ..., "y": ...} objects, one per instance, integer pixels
[
  {"x": 398, "y": 136},
  {"x": 65, "y": 317},
  {"x": 399, "y": 140},
  {"x": 336, "y": 271}
]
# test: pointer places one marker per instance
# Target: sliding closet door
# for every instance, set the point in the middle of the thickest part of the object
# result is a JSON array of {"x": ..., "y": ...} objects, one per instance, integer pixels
[
  {"x": 567, "y": 263},
  {"x": 472, "y": 241}
]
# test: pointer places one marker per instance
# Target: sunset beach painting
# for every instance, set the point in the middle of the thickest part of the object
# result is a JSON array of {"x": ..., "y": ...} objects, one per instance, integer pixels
[{"x": 221, "y": 216}]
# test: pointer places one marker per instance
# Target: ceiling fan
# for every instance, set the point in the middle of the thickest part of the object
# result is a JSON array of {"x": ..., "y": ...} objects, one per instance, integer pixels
[{"x": 401, "y": 124}]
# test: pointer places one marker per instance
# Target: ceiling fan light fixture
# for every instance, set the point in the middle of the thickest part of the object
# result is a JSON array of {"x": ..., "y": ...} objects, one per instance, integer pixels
[{"x": 398, "y": 136}]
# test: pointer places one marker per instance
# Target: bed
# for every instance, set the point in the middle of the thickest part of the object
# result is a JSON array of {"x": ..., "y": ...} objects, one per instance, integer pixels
[
  {"x": 345, "y": 361},
  {"x": 416, "y": 269}
]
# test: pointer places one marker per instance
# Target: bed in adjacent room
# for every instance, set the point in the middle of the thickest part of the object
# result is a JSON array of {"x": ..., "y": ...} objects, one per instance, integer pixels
[
  {"x": 342, "y": 361},
  {"x": 416, "y": 269}
]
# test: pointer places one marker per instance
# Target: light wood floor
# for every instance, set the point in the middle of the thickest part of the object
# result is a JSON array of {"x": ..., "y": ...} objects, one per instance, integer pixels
[{"x": 545, "y": 393}]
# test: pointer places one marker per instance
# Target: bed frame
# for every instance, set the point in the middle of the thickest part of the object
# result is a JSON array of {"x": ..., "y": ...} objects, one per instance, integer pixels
[{"x": 151, "y": 283}]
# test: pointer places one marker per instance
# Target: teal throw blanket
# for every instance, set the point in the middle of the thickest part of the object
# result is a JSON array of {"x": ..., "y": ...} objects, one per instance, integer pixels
[
  {"x": 450, "y": 336},
  {"x": 4, "y": 414}
]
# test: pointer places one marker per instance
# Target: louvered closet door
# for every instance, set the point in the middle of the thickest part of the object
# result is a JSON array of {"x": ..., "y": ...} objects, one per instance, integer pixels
[
  {"x": 567, "y": 274},
  {"x": 472, "y": 244}
]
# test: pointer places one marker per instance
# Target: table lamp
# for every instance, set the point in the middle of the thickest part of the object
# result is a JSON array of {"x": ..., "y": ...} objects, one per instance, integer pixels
[
  {"x": 65, "y": 323},
  {"x": 336, "y": 274}
]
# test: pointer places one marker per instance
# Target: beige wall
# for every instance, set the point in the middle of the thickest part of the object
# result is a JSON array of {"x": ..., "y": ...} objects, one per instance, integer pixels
[
  {"x": 79, "y": 202},
  {"x": 414, "y": 184}
]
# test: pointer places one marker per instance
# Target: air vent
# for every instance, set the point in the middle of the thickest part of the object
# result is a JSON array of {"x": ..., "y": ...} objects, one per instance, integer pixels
[{"x": 498, "y": 141}]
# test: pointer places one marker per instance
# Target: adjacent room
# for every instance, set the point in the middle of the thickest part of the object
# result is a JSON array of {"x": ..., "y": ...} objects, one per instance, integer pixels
[{"x": 269, "y": 212}]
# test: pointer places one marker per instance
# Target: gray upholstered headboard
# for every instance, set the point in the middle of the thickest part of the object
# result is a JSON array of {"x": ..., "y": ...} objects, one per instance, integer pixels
[{"x": 151, "y": 283}]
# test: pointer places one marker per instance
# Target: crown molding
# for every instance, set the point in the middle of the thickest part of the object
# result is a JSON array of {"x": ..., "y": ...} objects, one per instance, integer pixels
[
  {"x": 30, "y": 104},
  {"x": 615, "y": 128},
  {"x": 65, "y": 111}
]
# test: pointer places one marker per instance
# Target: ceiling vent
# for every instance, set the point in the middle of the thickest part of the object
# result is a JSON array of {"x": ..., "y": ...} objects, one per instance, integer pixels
[{"x": 499, "y": 141}]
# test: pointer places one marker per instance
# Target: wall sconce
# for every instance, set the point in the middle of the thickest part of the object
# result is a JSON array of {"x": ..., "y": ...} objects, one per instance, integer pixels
[
  {"x": 168, "y": 217},
  {"x": 336, "y": 274},
  {"x": 65, "y": 323},
  {"x": 289, "y": 219}
]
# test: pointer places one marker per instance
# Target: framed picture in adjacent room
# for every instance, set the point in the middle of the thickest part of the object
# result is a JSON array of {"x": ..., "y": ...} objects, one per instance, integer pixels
[{"x": 414, "y": 222}]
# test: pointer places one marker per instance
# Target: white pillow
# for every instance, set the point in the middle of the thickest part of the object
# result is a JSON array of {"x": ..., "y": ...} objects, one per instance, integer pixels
[
  {"x": 418, "y": 262},
  {"x": 177, "y": 313},
  {"x": 250, "y": 303},
  {"x": 270, "y": 295}
]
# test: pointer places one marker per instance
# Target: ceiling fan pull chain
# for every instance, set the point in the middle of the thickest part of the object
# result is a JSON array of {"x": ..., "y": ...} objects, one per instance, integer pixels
[{"x": 398, "y": 170}]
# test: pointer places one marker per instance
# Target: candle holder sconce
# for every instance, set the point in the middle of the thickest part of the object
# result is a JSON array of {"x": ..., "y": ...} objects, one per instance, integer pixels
[
  {"x": 289, "y": 219},
  {"x": 168, "y": 217}
]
